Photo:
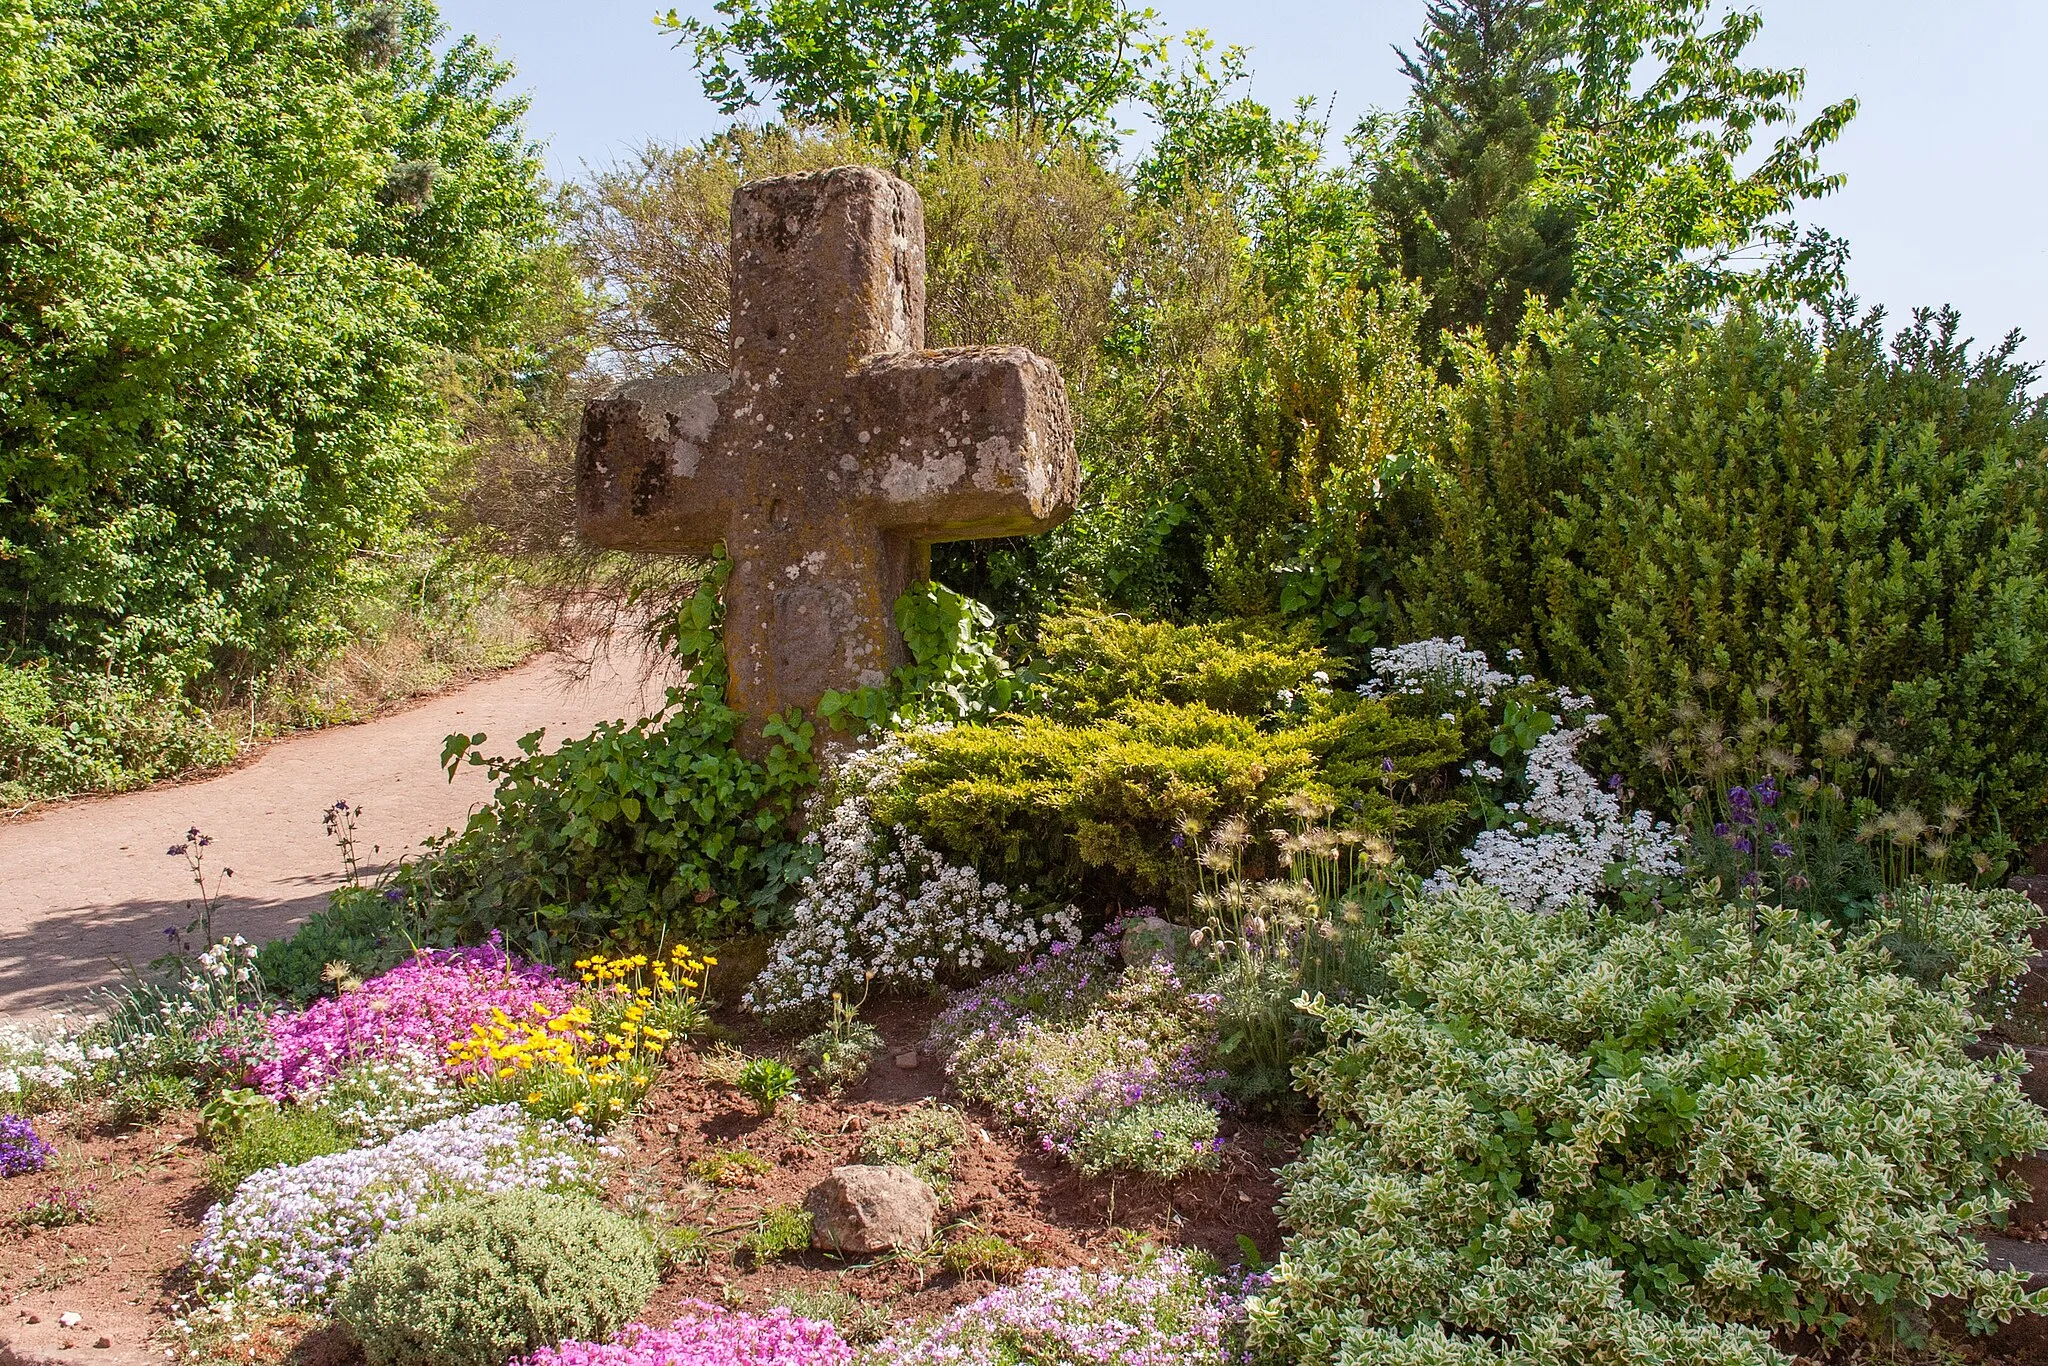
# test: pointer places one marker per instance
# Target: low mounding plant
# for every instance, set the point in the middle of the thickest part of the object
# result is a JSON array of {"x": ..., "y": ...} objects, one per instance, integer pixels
[
  {"x": 22, "y": 1149},
  {"x": 361, "y": 932},
  {"x": 290, "y": 1234},
  {"x": 767, "y": 1083},
  {"x": 882, "y": 908},
  {"x": 924, "y": 1138},
  {"x": 1576, "y": 1137},
  {"x": 1108, "y": 1070},
  {"x": 479, "y": 1280},
  {"x": 373, "y": 1100},
  {"x": 1163, "y": 1310},
  {"x": 710, "y": 1336}
]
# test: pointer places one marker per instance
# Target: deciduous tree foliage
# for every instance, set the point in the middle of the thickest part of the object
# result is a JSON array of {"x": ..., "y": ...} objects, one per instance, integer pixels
[
  {"x": 906, "y": 72},
  {"x": 235, "y": 235}
]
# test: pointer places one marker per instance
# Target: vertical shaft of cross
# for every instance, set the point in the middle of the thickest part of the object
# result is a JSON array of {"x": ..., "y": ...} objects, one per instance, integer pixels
[{"x": 836, "y": 451}]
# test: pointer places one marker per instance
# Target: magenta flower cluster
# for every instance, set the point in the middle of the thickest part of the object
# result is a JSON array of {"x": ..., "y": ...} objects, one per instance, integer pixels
[
  {"x": 422, "y": 1005},
  {"x": 710, "y": 1336},
  {"x": 22, "y": 1149}
]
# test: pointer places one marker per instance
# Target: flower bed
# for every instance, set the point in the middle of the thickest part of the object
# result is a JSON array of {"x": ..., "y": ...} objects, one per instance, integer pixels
[
  {"x": 423, "y": 1004},
  {"x": 710, "y": 1336},
  {"x": 1162, "y": 1311}
]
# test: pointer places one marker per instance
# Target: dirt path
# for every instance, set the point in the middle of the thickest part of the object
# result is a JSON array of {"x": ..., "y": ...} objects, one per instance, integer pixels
[{"x": 87, "y": 887}]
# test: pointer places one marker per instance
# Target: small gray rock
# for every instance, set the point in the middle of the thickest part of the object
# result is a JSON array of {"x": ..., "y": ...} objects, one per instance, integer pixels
[
  {"x": 865, "y": 1210},
  {"x": 1150, "y": 940}
]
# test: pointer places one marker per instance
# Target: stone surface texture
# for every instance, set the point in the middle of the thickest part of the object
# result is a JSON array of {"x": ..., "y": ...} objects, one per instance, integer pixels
[
  {"x": 837, "y": 450},
  {"x": 866, "y": 1210}
]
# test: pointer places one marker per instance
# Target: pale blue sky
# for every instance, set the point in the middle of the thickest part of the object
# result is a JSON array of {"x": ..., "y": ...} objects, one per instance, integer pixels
[{"x": 1947, "y": 163}]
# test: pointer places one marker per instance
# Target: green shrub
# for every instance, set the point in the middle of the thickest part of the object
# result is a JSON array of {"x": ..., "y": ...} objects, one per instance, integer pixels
[
  {"x": 362, "y": 929},
  {"x": 923, "y": 1138},
  {"x": 1091, "y": 663},
  {"x": 284, "y": 1139},
  {"x": 781, "y": 1231},
  {"x": 1578, "y": 1137},
  {"x": 636, "y": 834},
  {"x": 767, "y": 1083},
  {"x": 477, "y": 1281},
  {"x": 1779, "y": 530},
  {"x": 840, "y": 1057},
  {"x": 226, "y": 406},
  {"x": 1098, "y": 805},
  {"x": 62, "y": 734}
]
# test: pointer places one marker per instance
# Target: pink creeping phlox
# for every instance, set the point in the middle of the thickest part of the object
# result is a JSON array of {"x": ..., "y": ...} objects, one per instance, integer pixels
[
  {"x": 710, "y": 1336},
  {"x": 421, "y": 1005}
]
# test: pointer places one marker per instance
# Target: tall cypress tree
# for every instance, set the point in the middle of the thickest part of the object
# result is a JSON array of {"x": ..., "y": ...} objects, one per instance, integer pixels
[{"x": 1453, "y": 178}]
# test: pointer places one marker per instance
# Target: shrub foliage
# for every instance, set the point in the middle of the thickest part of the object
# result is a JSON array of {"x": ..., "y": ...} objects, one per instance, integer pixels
[
  {"x": 478, "y": 1281},
  {"x": 1577, "y": 1137}
]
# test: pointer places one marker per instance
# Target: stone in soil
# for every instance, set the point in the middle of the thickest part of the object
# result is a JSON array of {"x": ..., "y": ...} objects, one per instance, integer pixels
[{"x": 865, "y": 1210}]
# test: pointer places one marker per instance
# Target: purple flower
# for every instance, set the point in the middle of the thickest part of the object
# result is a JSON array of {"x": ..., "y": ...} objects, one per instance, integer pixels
[
  {"x": 1741, "y": 805},
  {"x": 1767, "y": 792},
  {"x": 1386, "y": 765},
  {"x": 1721, "y": 830},
  {"x": 1614, "y": 782},
  {"x": 22, "y": 1149},
  {"x": 1780, "y": 849},
  {"x": 1743, "y": 845}
]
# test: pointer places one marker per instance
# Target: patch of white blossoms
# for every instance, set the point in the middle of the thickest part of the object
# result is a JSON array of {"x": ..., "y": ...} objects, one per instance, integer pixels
[
  {"x": 1562, "y": 841},
  {"x": 883, "y": 906},
  {"x": 373, "y": 1100},
  {"x": 1443, "y": 670},
  {"x": 38, "y": 1064}
]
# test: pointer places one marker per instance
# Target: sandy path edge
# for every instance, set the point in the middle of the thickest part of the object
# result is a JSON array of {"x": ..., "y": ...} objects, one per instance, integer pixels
[{"x": 86, "y": 887}]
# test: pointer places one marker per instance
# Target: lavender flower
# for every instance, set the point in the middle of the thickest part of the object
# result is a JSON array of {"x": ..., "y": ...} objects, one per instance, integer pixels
[
  {"x": 22, "y": 1149},
  {"x": 1162, "y": 1312}
]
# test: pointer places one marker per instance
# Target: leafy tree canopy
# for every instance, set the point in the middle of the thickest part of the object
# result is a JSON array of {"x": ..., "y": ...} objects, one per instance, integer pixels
[
  {"x": 235, "y": 237},
  {"x": 1603, "y": 146},
  {"x": 906, "y": 72}
]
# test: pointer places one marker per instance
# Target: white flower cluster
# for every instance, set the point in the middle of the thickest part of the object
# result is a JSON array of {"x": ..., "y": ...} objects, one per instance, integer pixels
[
  {"x": 1568, "y": 833},
  {"x": 1438, "y": 668},
  {"x": 373, "y": 1100},
  {"x": 289, "y": 1234},
  {"x": 883, "y": 906},
  {"x": 38, "y": 1065}
]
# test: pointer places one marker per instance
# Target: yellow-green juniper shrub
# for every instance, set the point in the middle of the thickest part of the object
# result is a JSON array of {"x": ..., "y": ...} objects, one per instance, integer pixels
[
  {"x": 1577, "y": 1137},
  {"x": 1146, "y": 727}
]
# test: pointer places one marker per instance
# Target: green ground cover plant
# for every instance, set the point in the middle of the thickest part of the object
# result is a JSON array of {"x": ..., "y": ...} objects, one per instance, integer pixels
[
  {"x": 284, "y": 1138},
  {"x": 1610, "y": 1139}
]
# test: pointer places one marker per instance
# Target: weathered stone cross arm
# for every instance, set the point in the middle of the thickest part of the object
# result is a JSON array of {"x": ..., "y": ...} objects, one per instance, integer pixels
[{"x": 837, "y": 451}]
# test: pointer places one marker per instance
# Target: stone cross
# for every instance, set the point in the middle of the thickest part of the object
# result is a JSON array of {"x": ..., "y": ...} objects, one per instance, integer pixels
[{"x": 836, "y": 451}]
